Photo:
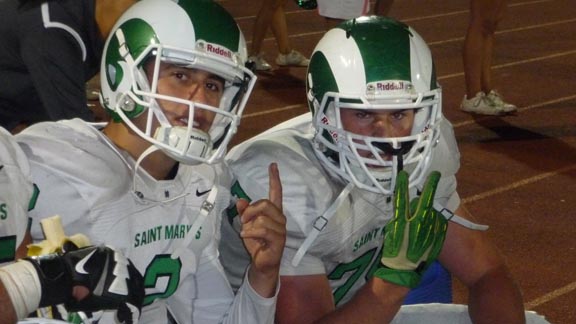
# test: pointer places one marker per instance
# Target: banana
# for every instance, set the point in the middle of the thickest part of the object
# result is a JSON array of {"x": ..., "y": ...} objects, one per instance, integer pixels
[{"x": 55, "y": 238}]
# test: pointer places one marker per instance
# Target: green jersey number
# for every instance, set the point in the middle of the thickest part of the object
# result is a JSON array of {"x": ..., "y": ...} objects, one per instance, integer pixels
[
  {"x": 7, "y": 248},
  {"x": 356, "y": 268},
  {"x": 162, "y": 266}
]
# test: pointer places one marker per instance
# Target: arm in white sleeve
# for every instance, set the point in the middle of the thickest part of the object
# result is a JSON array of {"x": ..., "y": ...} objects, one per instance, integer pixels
[
  {"x": 216, "y": 302},
  {"x": 250, "y": 307}
]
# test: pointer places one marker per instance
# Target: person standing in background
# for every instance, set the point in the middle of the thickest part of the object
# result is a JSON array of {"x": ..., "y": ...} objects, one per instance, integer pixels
[
  {"x": 49, "y": 50},
  {"x": 481, "y": 98},
  {"x": 382, "y": 7},
  {"x": 336, "y": 11},
  {"x": 271, "y": 14}
]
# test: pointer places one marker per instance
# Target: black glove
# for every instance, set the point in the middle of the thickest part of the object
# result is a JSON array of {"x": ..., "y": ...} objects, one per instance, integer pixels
[{"x": 112, "y": 279}]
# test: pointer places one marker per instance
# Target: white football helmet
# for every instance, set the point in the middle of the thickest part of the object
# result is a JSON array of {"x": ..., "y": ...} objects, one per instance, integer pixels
[
  {"x": 197, "y": 34},
  {"x": 371, "y": 63}
]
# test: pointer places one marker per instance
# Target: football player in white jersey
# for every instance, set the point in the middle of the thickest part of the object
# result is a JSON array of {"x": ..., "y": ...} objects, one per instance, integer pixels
[
  {"x": 17, "y": 195},
  {"x": 175, "y": 83},
  {"x": 376, "y": 110}
]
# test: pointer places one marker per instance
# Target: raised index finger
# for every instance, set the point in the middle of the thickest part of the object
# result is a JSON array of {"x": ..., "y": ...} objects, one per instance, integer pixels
[{"x": 275, "y": 185}]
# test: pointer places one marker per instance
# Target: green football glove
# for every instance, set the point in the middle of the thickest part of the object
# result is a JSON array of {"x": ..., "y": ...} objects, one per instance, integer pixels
[{"x": 414, "y": 237}]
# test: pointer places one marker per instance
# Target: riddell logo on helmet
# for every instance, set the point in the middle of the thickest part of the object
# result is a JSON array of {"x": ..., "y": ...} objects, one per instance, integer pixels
[
  {"x": 377, "y": 87},
  {"x": 389, "y": 86},
  {"x": 218, "y": 50}
]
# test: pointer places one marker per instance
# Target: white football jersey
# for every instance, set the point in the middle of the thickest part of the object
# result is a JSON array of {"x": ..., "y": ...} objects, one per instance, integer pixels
[
  {"x": 16, "y": 195},
  {"x": 348, "y": 246},
  {"x": 90, "y": 183}
]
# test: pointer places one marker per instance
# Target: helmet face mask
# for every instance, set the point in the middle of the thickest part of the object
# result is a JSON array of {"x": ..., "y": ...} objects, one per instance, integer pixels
[
  {"x": 192, "y": 34},
  {"x": 375, "y": 65}
]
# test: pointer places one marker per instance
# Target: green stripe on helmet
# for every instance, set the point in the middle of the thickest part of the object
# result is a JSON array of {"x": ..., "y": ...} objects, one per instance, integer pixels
[
  {"x": 138, "y": 35},
  {"x": 222, "y": 31},
  {"x": 322, "y": 81},
  {"x": 389, "y": 59}
]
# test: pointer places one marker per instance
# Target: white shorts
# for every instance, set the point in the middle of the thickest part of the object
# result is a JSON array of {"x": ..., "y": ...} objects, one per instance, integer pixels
[{"x": 343, "y": 9}]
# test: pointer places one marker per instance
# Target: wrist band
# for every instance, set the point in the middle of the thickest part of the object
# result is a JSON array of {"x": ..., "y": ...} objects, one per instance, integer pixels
[{"x": 23, "y": 286}]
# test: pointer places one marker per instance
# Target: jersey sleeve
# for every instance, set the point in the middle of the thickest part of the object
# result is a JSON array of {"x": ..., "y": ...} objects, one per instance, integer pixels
[
  {"x": 74, "y": 173},
  {"x": 446, "y": 159},
  {"x": 249, "y": 307}
]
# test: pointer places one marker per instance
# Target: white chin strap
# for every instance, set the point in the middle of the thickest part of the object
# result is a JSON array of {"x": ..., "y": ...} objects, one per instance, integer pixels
[
  {"x": 139, "y": 194},
  {"x": 451, "y": 217},
  {"x": 320, "y": 223}
]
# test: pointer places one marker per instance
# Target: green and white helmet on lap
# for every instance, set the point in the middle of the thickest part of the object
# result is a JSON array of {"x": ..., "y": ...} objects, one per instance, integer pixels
[
  {"x": 373, "y": 63},
  {"x": 197, "y": 34}
]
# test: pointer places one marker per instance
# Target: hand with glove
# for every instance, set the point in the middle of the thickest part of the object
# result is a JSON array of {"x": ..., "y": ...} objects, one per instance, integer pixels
[
  {"x": 112, "y": 282},
  {"x": 413, "y": 238}
]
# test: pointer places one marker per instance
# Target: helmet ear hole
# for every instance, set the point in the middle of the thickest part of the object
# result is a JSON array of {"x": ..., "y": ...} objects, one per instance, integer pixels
[{"x": 113, "y": 73}]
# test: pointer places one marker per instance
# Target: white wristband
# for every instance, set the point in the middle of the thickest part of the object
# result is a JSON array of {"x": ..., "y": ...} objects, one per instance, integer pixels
[{"x": 23, "y": 285}]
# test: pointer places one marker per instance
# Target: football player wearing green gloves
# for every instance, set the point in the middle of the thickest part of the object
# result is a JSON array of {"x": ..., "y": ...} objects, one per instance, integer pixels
[{"x": 353, "y": 248}]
